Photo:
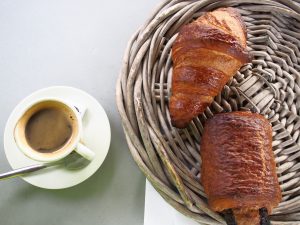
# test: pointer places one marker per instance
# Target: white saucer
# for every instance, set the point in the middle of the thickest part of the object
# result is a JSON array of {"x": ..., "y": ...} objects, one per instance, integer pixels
[{"x": 96, "y": 136}]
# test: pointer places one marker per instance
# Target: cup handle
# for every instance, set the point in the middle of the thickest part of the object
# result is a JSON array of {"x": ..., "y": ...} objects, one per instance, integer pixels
[{"x": 85, "y": 151}]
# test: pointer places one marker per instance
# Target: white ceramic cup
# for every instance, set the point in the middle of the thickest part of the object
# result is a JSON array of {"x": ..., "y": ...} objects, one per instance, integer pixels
[{"x": 74, "y": 142}]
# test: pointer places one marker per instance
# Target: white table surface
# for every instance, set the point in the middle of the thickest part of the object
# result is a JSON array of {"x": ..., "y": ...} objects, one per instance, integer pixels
[{"x": 79, "y": 44}]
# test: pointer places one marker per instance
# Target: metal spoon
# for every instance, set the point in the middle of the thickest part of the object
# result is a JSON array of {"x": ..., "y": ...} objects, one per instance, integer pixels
[{"x": 73, "y": 161}]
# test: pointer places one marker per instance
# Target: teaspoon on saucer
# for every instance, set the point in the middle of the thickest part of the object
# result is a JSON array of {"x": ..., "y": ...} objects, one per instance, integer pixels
[{"x": 73, "y": 161}]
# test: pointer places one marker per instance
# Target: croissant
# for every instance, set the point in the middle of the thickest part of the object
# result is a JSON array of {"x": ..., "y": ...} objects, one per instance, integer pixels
[
  {"x": 205, "y": 54},
  {"x": 238, "y": 169}
]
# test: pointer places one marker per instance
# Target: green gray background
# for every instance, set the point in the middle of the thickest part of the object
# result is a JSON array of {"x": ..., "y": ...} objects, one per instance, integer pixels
[{"x": 79, "y": 44}]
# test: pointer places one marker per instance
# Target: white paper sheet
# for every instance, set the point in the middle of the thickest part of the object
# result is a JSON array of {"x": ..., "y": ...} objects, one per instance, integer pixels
[{"x": 159, "y": 212}]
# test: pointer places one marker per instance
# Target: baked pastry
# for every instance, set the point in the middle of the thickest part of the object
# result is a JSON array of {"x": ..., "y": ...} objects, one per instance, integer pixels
[
  {"x": 206, "y": 54},
  {"x": 238, "y": 168}
]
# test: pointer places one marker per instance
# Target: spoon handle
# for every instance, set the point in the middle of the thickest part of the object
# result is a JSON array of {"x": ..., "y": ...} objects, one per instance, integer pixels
[{"x": 22, "y": 171}]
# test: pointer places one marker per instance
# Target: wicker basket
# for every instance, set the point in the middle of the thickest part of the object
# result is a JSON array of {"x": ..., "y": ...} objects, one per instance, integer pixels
[{"x": 270, "y": 85}]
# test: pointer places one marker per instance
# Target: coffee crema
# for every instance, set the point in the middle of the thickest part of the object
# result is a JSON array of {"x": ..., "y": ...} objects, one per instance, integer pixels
[{"x": 48, "y": 129}]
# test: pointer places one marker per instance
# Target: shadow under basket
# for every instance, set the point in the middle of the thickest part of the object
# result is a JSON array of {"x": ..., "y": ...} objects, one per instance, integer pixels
[{"x": 270, "y": 84}]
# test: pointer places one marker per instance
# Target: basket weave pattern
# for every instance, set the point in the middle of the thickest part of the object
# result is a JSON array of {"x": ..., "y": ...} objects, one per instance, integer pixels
[{"x": 270, "y": 84}]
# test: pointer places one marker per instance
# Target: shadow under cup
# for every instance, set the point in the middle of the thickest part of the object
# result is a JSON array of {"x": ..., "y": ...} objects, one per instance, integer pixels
[{"x": 37, "y": 119}]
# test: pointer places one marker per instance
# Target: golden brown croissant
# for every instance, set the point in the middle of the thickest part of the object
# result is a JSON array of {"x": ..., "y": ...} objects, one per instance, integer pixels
[
  {"x": 238, "y": 167},
  {"x": 206, "y": 54}
]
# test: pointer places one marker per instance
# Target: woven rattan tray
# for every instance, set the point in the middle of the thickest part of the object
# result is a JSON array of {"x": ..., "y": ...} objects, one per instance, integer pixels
[{"x": 270, "y": 85}]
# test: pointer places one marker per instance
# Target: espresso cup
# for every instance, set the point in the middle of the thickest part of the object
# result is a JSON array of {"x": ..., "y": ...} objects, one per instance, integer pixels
[{"x": 50, "y": 129}]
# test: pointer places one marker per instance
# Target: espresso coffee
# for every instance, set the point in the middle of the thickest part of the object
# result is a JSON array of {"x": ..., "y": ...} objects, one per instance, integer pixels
[{"x": 48, "y": 129}]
